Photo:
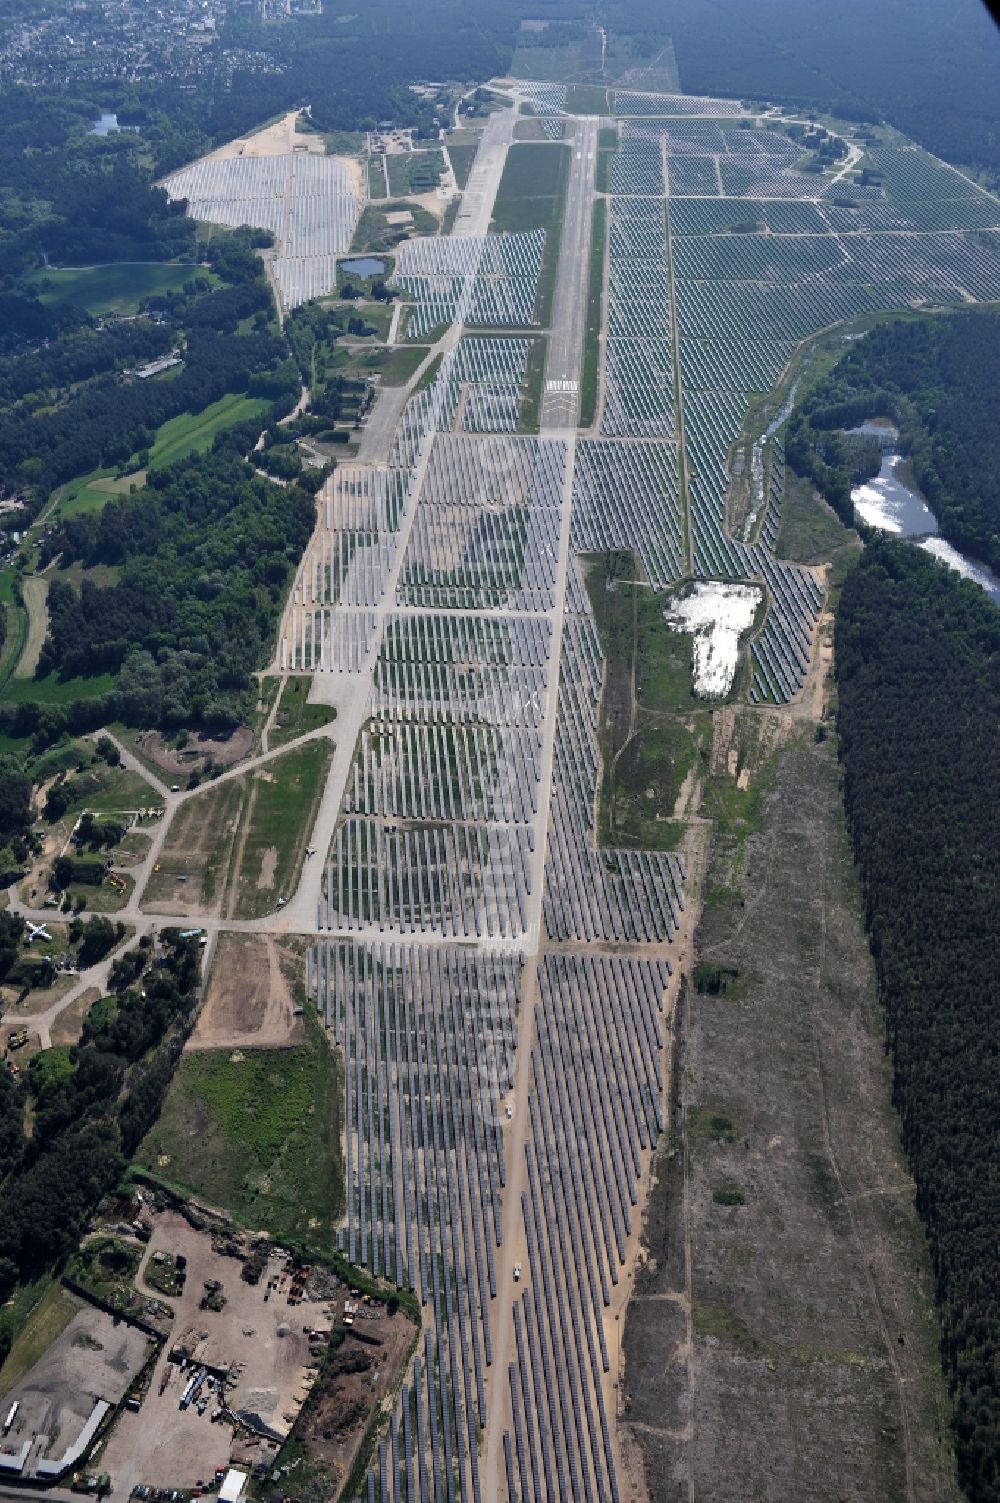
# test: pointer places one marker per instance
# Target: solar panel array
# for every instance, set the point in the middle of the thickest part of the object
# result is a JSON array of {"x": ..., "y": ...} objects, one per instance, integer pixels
[
  {"x": 437, "y": 575},
  {"x": 353, "y": 550},
  {"x": 306, "y": 200},
  {"x": 486, "y": 281},
  {"x": 761, "y": 256}
]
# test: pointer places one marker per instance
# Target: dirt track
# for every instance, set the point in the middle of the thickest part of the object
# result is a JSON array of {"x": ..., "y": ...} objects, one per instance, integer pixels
[{"x": 248, "y": 1003}]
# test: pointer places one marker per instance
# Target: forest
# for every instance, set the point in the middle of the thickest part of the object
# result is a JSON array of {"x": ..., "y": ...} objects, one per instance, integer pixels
[
  {"x": 937, "y": 378},
  {"x": 918, "y": 674},
  {"x": 91, "y": 1105},
  {"x": 204, "y": 553}
]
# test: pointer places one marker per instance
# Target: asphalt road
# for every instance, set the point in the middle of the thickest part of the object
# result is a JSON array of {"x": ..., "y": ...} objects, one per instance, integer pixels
[{"x": 564, "y": 362}]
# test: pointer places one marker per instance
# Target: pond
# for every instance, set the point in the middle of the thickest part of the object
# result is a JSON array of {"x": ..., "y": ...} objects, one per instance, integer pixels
[
  {"x": 890, "y": 505},
  {"x": 363, "y": 266}
]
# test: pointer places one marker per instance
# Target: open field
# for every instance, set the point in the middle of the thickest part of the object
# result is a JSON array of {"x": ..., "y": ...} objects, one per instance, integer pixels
[
  {"x": 414, "y": 172},
  {"x": 257, "y": 1132},
  {"x": 34, "y": 589},
  {"x": 192, "y": 433},
  {"x": 16, "y": 620},
  {"x": 375, "y": 232},
  {"x": 117, "y": 288},
  {"x": 237, "y": 847},
  {"x": 53, "y": 690},
  {"x": 281, "y": 808},
  {"x": 248, "y": 1001},
  {"x": 196, "y": 854},
  {"x": 91, "y": 492},
  {"x": 781, "y": 1325},
  {"x": 462, "y": 158},
  {"x": 652, "y": 727},
  {"x": 295, "y": 716}
]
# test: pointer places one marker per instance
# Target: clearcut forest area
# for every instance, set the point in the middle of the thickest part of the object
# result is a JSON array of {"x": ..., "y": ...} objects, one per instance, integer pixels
[{"x": 499, "y": 734}]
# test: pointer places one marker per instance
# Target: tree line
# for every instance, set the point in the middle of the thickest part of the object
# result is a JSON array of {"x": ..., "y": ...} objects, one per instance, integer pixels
[
  {"x": 91, "y": 1106},
  {"x": 918, "y": 675}
]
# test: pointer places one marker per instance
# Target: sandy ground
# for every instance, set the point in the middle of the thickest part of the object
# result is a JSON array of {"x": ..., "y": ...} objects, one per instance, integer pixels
[
  {"x": 274, "y": 140},
  {"x": 248, "y": 1003},
  {"x": 279, "y": 140}
]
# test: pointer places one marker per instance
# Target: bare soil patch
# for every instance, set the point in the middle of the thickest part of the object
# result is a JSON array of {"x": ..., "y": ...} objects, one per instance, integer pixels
[
  {"x": 68, "y": 1026},
  {"x": 224, "y": 751},
  {"x": 360, "y": 1374},
  {"x": 269, "y": 862},
  {"x": 248, "y": 1002},
  {"x": 780, "y": 1341}
]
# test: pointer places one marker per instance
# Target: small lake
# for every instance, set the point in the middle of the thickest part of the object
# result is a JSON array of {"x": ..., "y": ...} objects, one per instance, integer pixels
[
  {"x": 890, "y": 505},
  {"x": 363, "y": 266}
]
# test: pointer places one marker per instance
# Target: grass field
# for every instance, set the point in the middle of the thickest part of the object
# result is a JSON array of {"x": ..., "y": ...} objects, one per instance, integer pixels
[
  {"x": 595, "y": 308},
  {"x": 113, "y": 289},
  {"x": 395, "y": 366},
  {"x": 462, "y": 158},
  {"x": 374, "y": 233},
  {"x": 197, "y": 850},
  {"x": 531, "y": 401},
  {"x": 189, "y": 433},
  {"x": 284, "y": 798},
  {"x": 52, "y": 690},
  {"x": 192, "y": 433},
  {"x": 257, "y": 1132},
  {"x": 92, "y": 492},
  {"x": 651, "y": 727},
  {"x": 238, "y": 846},
  {"x": 531, "y": 196},
  {"x": 377, "y": 187},
  {"x": 109, "y": 790},
  {"x": 16, "y": 621},
  {"x": 295, "y": 716},
  {"x": 415, "y": 171},
  {"x": 587, "y": 99}
]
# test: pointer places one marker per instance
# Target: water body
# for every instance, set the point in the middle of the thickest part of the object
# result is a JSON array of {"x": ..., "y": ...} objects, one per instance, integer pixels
[
  {"x": 363, "y": 266},
  {"x": 891, "y": 506}
]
